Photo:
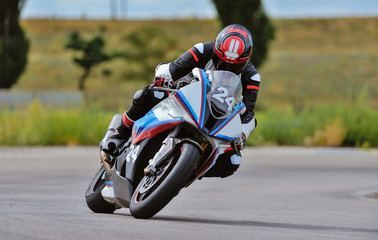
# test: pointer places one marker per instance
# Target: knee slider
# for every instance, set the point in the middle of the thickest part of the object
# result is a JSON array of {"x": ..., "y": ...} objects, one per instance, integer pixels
[{"x": 156, "y": 95}]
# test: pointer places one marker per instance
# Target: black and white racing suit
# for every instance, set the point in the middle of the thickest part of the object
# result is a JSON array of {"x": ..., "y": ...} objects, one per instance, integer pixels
[{"x": 200, "y": 55}]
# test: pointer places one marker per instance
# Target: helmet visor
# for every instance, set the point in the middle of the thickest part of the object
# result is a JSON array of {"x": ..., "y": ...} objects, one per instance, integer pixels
[{"x": 236, "y": 68}]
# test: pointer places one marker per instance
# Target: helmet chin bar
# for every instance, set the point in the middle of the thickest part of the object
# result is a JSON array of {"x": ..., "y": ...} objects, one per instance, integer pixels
[{"x": 236, "y": 68}]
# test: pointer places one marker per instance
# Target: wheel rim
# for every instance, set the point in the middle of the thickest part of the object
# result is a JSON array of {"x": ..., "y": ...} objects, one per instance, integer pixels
[{"x": 149, "y": 183}]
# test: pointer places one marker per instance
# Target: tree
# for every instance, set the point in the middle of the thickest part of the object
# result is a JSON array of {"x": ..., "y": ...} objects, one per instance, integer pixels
[
  {"x": 14, "y": 45},
  {"x": 250, "y": 14},
  {"x": 91, "y": 51}
]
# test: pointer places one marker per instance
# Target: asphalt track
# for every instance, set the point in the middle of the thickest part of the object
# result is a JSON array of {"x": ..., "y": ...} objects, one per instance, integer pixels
[{"x": 278, "y": 193}]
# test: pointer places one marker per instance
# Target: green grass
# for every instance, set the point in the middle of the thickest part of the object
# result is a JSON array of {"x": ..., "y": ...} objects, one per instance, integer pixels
[
  {"x": 317, "y": 79},
  {"x": 40, "y": 125},
  {"x": 311, "y": 61},
  {"x": 323, "y": 125},
  {"x": 319, "y": 85},
  {"x": 335, "y": 125},
  {"x": 51, "y": 67},
  {"x": 319, "y": 61}
]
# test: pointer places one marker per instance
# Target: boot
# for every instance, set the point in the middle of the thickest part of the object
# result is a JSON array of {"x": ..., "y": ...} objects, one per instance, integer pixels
[
  {"x": 114, "y": 137},
  {"x": 226, "y": 164}
]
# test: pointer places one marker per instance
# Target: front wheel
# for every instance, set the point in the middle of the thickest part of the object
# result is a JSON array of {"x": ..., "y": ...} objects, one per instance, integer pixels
[
  {"x": 157, "y": 190},
  {"x": 93, "y": 196}
]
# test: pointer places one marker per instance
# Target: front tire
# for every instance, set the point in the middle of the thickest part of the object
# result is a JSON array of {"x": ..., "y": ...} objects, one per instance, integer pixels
[
  {"x": 93, "y": 196},
  {"x": 155, "y": 192}
]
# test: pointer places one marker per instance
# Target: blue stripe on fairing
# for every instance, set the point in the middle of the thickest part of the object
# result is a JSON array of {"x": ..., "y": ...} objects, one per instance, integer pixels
[
  {"x": 111, "y": 184},
  {"x": 144, "y": 121},
  {"x": 150, "y": 121},
  {"x": 186, "y": 104},
  {"x": 204, "y": 82},
  {"x": 225, "y": 137},
  {"x": 238, "y": 108}
]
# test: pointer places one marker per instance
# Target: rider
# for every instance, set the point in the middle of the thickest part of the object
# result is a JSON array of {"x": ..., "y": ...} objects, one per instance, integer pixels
[{"x": 231, "y": 51}]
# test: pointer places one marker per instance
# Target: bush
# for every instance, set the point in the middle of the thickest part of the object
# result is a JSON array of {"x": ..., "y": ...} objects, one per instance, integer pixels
[
  {"x": 43, "y": 126},
  {"x": 337, "y": 125}
]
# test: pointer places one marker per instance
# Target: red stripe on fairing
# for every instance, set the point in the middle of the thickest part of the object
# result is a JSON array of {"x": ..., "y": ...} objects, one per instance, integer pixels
[
  {"x": 228, "y": 149},
  {"x": 229, "y": 120},
  {"x": 193, "y": 54},
  {"x": 187, "y": 110},
  {"x": 202, "y": 98},
  {"x": 150, "y": 133},
  {"x": 253, "y": 87}
]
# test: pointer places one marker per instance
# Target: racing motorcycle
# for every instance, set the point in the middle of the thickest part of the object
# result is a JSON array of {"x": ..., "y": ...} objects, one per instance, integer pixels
[{"x": 172, "y": 146}]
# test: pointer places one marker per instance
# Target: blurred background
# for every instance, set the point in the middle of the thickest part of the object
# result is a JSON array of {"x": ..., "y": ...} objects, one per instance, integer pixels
[{"x": 67, "y": 66}]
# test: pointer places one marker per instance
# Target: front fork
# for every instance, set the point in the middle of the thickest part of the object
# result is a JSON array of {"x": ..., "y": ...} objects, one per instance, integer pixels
[
  {"x": 167, "y": 148},
  {"x": 105, "y": 160}
]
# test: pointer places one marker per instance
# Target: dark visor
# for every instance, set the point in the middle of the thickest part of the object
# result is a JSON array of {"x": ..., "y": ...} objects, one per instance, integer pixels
[{"x": 236, "y": 68}]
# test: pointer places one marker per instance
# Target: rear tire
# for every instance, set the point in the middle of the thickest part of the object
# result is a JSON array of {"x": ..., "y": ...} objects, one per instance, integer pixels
[
  {"x": 93, "y": 196},
  {"x": 155, "y": 192}
]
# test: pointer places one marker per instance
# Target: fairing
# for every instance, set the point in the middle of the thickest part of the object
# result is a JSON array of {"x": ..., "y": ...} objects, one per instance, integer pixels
[{"x": 193, "y": 106}]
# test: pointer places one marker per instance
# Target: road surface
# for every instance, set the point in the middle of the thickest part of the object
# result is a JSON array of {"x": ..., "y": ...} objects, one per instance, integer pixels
[{"x": 278, "y": 193}]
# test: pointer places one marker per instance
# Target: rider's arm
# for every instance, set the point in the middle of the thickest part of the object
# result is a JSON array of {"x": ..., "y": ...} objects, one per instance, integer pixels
[
  {"x": 197, "y": 56},
  {"x": 251, "y": 87}
]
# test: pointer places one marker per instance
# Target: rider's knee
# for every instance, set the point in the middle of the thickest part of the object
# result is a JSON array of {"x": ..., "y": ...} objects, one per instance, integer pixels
[
  {"x": 140, "y": 96},
  {"x": 148, "y": 96}
]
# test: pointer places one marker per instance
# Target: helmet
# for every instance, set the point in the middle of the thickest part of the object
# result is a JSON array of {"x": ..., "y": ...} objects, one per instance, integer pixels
[{"x": 232, "y": 48}]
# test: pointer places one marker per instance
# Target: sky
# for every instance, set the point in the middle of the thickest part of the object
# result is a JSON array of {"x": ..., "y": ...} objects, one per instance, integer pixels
[{"x": 149, "y": 9}]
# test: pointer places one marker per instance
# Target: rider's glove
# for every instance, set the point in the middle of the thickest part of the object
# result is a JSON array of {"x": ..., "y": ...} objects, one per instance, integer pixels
[
  {"x": 240, "y": 143},
  {"x": 164, "y": 81}
]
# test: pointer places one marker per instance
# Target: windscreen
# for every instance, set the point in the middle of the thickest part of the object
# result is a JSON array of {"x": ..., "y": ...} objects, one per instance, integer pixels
[{"x": 226, "y": 92}]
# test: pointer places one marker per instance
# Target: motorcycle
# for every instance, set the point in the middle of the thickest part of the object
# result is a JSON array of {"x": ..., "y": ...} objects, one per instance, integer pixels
[{"x": 172, "y": 146}]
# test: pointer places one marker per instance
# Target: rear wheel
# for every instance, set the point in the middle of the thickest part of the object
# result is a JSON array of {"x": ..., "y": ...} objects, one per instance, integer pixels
[
  {"x": 157, "y": 190},
  {"x": 93, "y": 196}
]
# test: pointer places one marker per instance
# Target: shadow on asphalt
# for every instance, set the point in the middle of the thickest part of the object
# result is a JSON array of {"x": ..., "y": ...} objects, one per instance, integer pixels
[
  {"x": 265, "y": 224},
  {"x": 258, "y": 224}
]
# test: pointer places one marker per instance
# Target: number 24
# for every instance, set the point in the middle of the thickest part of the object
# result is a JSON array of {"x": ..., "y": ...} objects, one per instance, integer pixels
[{"x": 221, "y": 97}]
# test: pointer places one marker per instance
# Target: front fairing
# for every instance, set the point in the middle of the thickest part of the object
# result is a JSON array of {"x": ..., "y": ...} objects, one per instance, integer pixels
[
  {"x": 194, "y": 104},
  {"x": 214, "y": 104}
]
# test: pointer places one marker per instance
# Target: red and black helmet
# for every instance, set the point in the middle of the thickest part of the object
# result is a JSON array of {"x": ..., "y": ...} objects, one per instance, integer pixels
[{"x": 232, "y": 48}]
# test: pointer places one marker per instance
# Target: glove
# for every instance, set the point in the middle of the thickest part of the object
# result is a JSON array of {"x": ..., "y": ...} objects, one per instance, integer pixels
[
  {"x": 240, "y": 143},
  {"x": 164, "y": 81}
]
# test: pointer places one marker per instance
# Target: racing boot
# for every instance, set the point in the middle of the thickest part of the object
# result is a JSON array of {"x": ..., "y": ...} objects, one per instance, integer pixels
[
  {"x": 117, "y": 133},
  {"x": 226, "y": 165}
]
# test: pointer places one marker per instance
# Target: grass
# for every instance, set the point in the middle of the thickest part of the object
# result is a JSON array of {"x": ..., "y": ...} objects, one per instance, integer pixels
[
  {"x": 51, "y": 67},
  {"x": 312, "y": 61},
  {"x": 321, "y": 125},
  {"x": 315, "y": 76},
  {"x": 317, "y": 61},
  {"x": 326, "y": 125},
  {"x": 48, "y": 126}
]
